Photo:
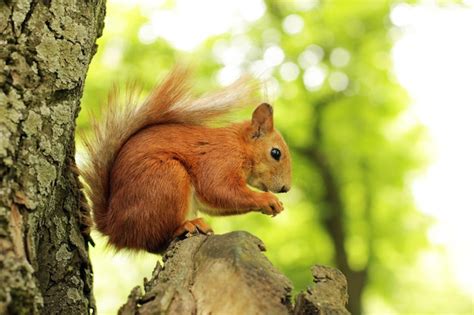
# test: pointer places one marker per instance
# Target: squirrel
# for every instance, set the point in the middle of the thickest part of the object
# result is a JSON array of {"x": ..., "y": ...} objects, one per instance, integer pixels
[{"x": 148, "y": 163}]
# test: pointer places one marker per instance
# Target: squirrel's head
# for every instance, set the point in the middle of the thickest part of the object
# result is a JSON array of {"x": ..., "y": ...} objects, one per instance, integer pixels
[{"x": 270, "y": 160}]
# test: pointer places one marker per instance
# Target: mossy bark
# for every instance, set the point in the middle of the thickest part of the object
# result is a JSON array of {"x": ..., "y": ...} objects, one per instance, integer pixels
[{"x": 45, "y": 49}]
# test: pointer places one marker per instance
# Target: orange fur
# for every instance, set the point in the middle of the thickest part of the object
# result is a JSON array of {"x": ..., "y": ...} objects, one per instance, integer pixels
[{"x": 147, "y": 163}]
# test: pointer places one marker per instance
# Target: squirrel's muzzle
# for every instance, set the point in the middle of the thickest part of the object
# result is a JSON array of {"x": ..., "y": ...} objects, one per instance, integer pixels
[{"x": 284, "y": 189}]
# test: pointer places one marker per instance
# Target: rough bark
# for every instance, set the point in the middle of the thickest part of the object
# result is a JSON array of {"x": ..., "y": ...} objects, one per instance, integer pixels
[
  {"x": 228, "y": 274},
  {"x": 45, "y": 49},
  {"x": 328, "y": 294}
]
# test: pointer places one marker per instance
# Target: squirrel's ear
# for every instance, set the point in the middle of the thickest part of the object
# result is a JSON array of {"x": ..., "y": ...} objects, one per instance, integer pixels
[{"x": 262, "y": 120}]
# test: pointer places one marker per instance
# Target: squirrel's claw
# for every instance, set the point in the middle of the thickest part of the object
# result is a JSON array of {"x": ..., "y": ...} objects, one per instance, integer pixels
[
  {"x": 202, "y": 226},
  {"x": 271, "y": 205},
  {"x": 193, "y": 227}
]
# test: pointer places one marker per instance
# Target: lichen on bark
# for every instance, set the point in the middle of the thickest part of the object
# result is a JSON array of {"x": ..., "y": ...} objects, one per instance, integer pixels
[{"x": 45, "y": 50}]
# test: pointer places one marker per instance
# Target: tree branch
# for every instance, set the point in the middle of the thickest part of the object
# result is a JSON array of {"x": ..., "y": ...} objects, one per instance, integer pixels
[{"x": 228, "y": 274}]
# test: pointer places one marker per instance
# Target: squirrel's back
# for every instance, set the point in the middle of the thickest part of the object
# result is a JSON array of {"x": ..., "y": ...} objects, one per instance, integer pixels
[{"x": 170, "y": 102}]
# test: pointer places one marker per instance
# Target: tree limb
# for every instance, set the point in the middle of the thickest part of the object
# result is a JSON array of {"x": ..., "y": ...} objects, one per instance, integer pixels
[{"x": 228, "y": 274}]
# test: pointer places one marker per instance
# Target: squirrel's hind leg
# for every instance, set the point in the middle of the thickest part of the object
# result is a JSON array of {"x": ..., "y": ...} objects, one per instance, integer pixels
[{"x": 151, "y": 205}]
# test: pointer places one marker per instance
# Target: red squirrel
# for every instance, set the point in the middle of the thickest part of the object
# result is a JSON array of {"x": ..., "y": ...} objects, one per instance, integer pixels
[{"x": 148, "y": 164}]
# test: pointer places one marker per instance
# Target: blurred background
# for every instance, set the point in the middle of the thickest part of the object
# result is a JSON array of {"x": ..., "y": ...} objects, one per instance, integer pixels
[{"x": 375, "y": 99}]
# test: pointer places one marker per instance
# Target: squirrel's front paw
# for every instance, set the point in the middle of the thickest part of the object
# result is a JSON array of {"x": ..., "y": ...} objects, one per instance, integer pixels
[{"x": 271, "y": 205}]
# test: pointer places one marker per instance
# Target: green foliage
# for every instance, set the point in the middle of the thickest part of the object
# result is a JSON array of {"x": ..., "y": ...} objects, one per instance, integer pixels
[{"x": 354, "y": 119}]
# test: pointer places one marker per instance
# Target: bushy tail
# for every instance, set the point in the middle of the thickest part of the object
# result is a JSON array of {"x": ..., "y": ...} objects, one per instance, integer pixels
[{"x": 170, "y": 102}]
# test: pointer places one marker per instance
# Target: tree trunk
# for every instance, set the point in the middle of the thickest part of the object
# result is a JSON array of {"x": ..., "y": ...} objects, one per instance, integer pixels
[
  {"x": 45, "y": 49},
  {"x": 228, "y": 274},
  {"x": 334, "y": 207}
]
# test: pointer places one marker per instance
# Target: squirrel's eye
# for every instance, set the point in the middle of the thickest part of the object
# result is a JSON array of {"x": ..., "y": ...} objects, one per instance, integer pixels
[{"x": 276, "y": 154}]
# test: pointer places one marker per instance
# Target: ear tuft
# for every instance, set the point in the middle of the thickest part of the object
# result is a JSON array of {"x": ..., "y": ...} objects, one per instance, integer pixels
[{"x": 262, "y": 120}]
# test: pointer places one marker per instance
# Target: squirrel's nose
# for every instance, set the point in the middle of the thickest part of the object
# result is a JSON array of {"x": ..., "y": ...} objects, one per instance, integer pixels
[{"x": 284, "y": 189}]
